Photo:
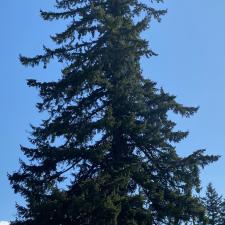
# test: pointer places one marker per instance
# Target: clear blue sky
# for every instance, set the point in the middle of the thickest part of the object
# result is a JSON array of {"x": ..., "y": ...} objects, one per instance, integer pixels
[{"x": 191, "y": 64}]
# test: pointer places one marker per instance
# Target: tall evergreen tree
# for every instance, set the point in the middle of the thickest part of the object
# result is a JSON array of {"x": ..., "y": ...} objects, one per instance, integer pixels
[
  {"x": 214, "y": 206},
  {"x": 116, "y": 163}
]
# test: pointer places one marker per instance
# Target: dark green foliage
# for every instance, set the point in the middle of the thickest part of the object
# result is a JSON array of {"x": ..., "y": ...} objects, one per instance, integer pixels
[
  {"x": 215, "y": 206},
  {"x": 222, "y": 213},
  {"x": 116, "y": 164}
]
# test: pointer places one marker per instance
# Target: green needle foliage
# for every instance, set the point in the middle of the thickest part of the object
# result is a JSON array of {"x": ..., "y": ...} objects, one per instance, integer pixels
[
  {"x": 116, "y": 163},
  {"x": 222, "y": 213},
  {"x": 215, "y": 206}
]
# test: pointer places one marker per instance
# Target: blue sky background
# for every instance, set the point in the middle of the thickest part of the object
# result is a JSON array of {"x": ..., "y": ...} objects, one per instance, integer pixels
[{"x": 191, "y": 65}]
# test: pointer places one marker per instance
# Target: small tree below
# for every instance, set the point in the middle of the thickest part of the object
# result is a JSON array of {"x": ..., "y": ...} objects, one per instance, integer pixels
[{"x": 215, "y": 206}]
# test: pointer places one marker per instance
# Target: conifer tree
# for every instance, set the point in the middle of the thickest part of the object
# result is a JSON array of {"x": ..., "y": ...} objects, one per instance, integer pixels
[
  {"x": 214, "y": 206},
  {"x": 116, "y": 163},
  {"x": 222, "y": 213}
]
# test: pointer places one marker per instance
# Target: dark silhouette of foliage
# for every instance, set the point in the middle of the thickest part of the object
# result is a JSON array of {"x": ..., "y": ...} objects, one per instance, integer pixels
[
  {"x": 215, "y": 206},
  {"x": 116, "y": 163}
]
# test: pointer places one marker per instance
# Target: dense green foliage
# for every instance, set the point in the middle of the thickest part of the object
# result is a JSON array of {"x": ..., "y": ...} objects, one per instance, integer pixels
[
  {"x": 106, "y": 154},
  {"x": 215, "y": 206}
]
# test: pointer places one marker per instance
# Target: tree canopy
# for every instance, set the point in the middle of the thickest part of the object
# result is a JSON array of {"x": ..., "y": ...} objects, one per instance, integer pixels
[
  {"x": 106, "y": 154},
  {"x": 215, "y": 206}
]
